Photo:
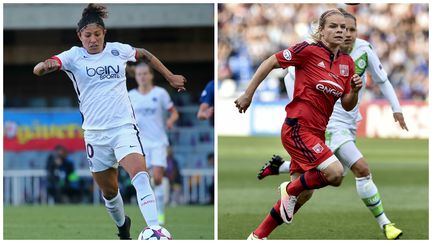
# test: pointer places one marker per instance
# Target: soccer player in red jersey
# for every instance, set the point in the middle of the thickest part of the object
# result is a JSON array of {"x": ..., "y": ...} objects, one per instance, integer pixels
[{"x": 324, "y": 74}]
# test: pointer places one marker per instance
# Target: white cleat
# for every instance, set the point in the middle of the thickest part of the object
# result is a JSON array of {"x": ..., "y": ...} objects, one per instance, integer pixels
[
  {"x": 287, "y": 203},
  {"x": 252, "y": 236}
]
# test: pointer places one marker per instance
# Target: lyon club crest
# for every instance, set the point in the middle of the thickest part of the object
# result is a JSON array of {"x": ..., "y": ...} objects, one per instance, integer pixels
[
  {"x": 318, "y": 148},
  {"x": 344, "y": 71}
]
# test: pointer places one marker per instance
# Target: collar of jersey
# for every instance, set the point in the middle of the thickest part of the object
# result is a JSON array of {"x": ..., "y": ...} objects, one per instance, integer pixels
[
  {"x": 97, "y": 54},
  {"x": 325, "y": 47}
]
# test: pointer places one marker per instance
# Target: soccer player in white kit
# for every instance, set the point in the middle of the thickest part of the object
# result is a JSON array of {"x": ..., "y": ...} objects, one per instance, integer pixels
[
  {"x": 97, "y": 71},
  {"x": 150, "y": 103},
  {"x": 342, "y": 128}
]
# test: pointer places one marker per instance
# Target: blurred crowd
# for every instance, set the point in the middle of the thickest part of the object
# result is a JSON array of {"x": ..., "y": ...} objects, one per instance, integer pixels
[
  {"x": 64, "y": 185},
  {"x": 249, "y": 33}
]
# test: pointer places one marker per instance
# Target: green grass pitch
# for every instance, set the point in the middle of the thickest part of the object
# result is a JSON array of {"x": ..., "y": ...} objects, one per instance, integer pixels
[
  {"x": 93, "y": 222},
  {"x": 399, "y": 168}
]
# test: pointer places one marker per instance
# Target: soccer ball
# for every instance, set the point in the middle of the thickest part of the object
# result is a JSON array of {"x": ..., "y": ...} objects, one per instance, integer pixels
[{"x": 154, "y": 232}]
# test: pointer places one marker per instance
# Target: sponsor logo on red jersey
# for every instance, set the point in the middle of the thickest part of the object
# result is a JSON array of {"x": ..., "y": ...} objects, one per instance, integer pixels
[{"x": 325, "y": 86}]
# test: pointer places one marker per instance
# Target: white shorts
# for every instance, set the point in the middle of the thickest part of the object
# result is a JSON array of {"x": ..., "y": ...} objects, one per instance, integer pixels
[
  {"x": 105, "y": 148},
  {"x": 342, "y": 142},
  {"x": 335, "y": 137},
  {"x": 156, "y": 156}
]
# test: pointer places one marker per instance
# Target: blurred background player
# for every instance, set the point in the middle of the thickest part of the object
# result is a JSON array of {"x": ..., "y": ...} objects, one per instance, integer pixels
[
  {"x": 307, "y": 115},
  {"x": 175, "y": 178},
  {"x": 210, "y": 164},
  {"x": 342, "y": 128},
  {"x": 63, "y": 182},
  {"x": 150, "y": 103},
  {"x": 97, "y": 70},
  {"x": 206, "y": 108}
]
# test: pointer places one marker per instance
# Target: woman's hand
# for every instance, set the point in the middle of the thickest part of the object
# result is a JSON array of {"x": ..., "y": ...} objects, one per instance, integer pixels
[
  {"x": 356, "y": 83},
  {"x": 177, "y": 81},
  {"x": 243, "y": 102},
  {"x": 48, "y": 66}
]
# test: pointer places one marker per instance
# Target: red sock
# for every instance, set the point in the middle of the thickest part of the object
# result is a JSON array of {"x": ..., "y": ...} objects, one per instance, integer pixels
[
  {"x": 312, "y": 179},
  {"x": 270, "y": 223}
]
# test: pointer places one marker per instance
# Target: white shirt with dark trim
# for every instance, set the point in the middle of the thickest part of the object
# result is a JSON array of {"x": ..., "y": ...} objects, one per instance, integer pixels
[
  {"x": 100, "y": 83},
  {"x": 365, "y": 59},
  {"x": 150, "y": 110}
]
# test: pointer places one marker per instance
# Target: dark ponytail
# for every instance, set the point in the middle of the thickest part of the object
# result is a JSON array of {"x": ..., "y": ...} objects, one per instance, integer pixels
[{"x": 93, "y": 14}]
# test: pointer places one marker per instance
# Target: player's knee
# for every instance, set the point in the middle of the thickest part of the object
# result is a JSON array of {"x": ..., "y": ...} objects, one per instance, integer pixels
[
  {"x": 157, "y": 180},
  {"x": 158, "y": 173},
  {"x": 109, "y": 193},
  {"x": 338, "y": 180},
  {"x": 360, "y": 168},
  {"x": 334, "y": 173},
  {"x": 335, "y": 178}
]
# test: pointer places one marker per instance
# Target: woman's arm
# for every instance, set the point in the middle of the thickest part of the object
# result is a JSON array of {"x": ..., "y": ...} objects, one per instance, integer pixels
[
  {"x": 174, "y": 116},
  {"x": 205, "y": 111},
  {"x": 47, "y": 66},
  {"x": 349, "y": 101},
  {"x": 176, "y": 81},
  {"x": 243, "y": 102}
]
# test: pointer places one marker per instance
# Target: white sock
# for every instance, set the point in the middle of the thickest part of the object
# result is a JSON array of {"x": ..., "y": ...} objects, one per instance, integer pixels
[
  {"x": 368, "y": 192},
  {"x": 145, "y": 197},
  {"x": 285, "y": 167},
  {"x": 160, "y": 198},
  {"x": 115, "y": 209}
]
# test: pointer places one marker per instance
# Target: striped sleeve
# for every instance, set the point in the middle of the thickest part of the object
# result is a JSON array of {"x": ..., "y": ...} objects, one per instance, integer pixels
[{"x": 293, "y": 56}]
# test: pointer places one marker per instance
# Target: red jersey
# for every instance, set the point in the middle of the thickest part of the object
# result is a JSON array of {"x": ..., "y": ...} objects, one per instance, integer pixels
[{"x": 321, "y": 79}]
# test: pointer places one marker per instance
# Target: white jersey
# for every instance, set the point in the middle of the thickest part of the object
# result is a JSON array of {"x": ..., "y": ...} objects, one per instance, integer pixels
[
  {"x": 365, "y": 59},
  {"x": 149, "y": 111},
  {"x": 100, "y": 83}
]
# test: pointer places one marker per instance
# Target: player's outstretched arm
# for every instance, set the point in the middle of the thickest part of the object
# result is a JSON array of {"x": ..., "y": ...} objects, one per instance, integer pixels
[
  {"x": 389, "y": 93},
  {"x": 176, "y": 81},
  {"x": 243, "y": 102},
  {"x": 349, "y": 101},
  {"x": 45, "y": 67},
  {"x": 380, "y": 76},
  {"x": 205, "y": 111}
]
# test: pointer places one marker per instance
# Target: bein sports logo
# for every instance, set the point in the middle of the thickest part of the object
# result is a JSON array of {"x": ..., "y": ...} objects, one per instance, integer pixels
[
  {"x": 104, "y": 72},
  {"x": 321, "y": 86}
]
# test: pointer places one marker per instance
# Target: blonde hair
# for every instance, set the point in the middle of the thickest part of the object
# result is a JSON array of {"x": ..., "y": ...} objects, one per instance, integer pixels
[{"x": 322, "y": 21}]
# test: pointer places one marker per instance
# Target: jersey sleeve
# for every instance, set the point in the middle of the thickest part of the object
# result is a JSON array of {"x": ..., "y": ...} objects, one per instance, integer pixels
[
  {"x": 207, "y": 95},
  {"x": 374, "y": 66},
  {"x": 293, "y": 56},
  {"x": 166, "y": 100},
  {"x": 66, "y": 58},
  {"x": 127, "y": 52}
]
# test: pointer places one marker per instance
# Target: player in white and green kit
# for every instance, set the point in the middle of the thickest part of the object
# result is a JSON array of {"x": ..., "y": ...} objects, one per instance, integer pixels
[{"x": 342, "y": 128}]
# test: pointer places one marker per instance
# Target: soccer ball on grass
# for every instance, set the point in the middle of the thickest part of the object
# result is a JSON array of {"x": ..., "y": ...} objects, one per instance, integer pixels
[{"x": 154, "y": 232}]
